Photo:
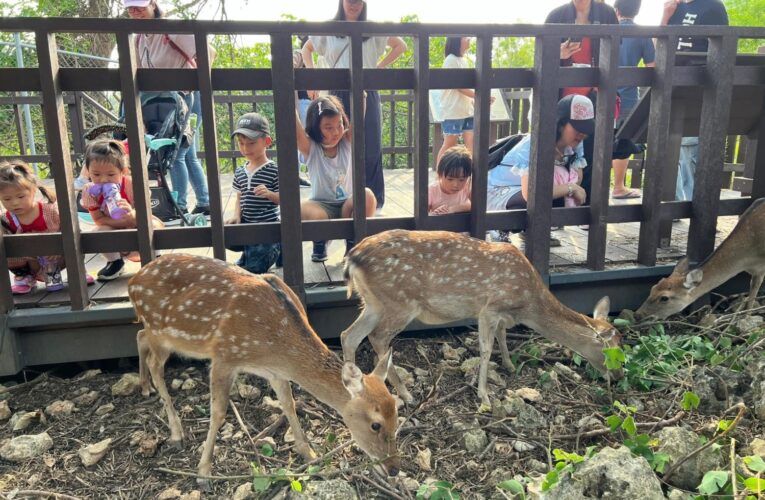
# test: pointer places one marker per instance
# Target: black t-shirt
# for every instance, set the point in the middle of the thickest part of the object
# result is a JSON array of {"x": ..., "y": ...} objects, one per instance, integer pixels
[{"x": 698, "y": 13}]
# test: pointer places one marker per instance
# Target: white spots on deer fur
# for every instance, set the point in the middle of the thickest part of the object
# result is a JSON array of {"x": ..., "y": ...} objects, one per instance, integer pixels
[
  {"x": 390, "y": 261},
  {"x": 406, "y": 267},
  {"x": 440, "y": 245},
  {"x": 202, "y": 277},
  {"x": 180, "y": 307},
  {"x": 234, "y": 349},
  {"x": 139, "y": 302},
  {"x": 189, "y": 302},
  {"x": 200, "y": 303},
  {"x": 515, "y": 287},
  {"x": 284, "y": 321},
  {"x": 154, "y": 271},
  {"x": 136, "y": 289}
]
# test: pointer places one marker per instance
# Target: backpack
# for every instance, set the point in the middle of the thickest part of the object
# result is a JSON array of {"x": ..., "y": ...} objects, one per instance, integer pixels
[{"x": 499, "y": 149}]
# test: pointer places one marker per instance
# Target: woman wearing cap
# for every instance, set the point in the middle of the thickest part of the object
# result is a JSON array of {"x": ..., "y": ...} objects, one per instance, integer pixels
[
  {"x": 508, "y": 182},
  {"x": 157, "y": 50},
  {"x": 336, "y": 49}
]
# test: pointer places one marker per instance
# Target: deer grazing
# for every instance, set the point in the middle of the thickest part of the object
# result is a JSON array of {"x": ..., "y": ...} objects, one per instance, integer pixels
[
  {"x": 438, "y": 277},
  {"x": 742, "y": 251},
  {"x": 203, "y": 308}
]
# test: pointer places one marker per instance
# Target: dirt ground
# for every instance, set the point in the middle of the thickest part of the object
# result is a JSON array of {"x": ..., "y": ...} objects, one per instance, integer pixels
[{"x": 134, "y": 468}]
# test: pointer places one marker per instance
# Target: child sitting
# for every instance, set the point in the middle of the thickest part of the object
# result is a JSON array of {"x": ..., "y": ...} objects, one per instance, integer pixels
[
  {"x": 326, "y": 145},
  {"x": 450, "y": 193},
  {"x": 257, "y": 190},
  {"x": 106, "y": 161},
  {"x": 24, "y": 214}
]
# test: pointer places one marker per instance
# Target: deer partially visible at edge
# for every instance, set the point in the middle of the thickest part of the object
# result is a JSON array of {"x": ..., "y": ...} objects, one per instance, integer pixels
[
  {"x": 206, "y": 309},
  {"x": 438, "y": 277},
  {"x": 742, "y": 251}
]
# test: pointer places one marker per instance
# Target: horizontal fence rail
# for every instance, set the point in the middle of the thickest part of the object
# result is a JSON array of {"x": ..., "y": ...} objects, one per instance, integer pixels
[{"x": 716, "y": 82}]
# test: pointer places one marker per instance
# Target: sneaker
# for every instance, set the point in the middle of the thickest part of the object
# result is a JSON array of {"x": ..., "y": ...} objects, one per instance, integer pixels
[
  {"x": 201, "y": 209},
  {"x": 23, "y": 285},
  {"x": 111, "y": 270},
  {"x": 53, "y": 280},
  {"x": 304, "y": 182},
  {"x": 319, "y": 251}
]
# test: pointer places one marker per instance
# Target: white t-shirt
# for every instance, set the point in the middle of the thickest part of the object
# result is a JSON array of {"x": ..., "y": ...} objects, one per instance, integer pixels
[
  {"x": 158, "y": 50},
  {"x": 337, "y": 53},
  {"x": 454, "y": 104},
  {"x": 331, "y": 178}
]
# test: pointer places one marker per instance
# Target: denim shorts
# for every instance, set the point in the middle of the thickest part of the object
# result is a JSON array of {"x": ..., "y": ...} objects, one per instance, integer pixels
[
  {"x": 456, "y": 127},
  {"x": 258, "y": 259}
]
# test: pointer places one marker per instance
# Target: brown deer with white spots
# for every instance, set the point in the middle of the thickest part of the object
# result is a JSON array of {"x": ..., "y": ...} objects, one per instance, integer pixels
[
  {"x": 742, "y": 251},
  {"x": 438, "y": 277},
  {"x": 207, "y": 309}
]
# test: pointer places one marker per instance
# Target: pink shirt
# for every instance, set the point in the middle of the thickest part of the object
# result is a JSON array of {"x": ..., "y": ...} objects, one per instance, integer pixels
[{"x": 436, "y": 197}]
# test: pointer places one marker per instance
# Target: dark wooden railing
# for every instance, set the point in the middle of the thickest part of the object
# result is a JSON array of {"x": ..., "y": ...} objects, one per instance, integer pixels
[{"x": 717, "y": 79}]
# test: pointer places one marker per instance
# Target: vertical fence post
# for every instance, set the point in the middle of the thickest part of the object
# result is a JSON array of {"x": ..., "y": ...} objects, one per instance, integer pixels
[
  {"x": 546, "y": 68},
  {"x": 289, "y": 189},
  {"x": 658, "y": 139},
  {"x": 715, "y": 115},
  {"x": 755, "y": 159},
  {"x": 61, "y": 165},
  {"x": 359, "y": 133},
  {"x": 421, "y": 127},
  {"x": 482, "y": 133},
  {"x": 603, "y": 148},
  {"x": 204, "y": 68},
  {"x": 131, "y": 99}
]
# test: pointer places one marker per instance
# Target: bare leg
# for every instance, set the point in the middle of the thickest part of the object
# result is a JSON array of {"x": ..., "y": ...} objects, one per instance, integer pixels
[
  {"x": 221, "y": 377},
  {"x": 449, "y": 141},
  {"x": 357, "y": 332},
  {"x": 380, "y": 340},
  {"x": 467, "y": 138},
  {"x": 754, "y": 287},
  {"x": 144, "y": 354},
  {"x": 487, "y": 325},
  {"x": 156, "y": 363},
  {"x": 284, "y": 395}
]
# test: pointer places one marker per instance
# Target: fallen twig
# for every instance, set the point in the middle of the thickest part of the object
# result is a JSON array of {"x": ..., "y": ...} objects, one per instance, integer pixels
[
  {"x": 600, "y": 432},
  {"x": 383, "y": 489},
  {"x": 44, "y": 494}
]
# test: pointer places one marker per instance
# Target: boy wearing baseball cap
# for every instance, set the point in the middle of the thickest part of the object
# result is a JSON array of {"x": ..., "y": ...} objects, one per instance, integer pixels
[{"x": 257, "y": 190}]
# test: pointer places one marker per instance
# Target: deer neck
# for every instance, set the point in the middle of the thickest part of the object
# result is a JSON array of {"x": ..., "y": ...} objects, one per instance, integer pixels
[
  {"x": 560, "y": 323},
  {"x": 321, "y": 375},
  {"x": 722, "y": 265}
]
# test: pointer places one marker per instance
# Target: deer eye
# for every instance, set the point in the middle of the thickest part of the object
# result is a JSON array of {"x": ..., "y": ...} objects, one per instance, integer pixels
[
  {"x": 376, "y": 426},
  {"x": 663, "y": 298}
]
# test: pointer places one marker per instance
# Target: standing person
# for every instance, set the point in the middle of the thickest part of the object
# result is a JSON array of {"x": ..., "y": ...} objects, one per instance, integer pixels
[
  {"x": 584, "y": 52},
  {"x": 456, "y": 104},
  {"x": 256, "y": 185},
  {"x": 631, "y": 52},
  {"x": 691, "y": 13},
  {"x": 336, "y": 49},
  {"x": 303, "y": 100},
  {"x": 158, "y": 50}
]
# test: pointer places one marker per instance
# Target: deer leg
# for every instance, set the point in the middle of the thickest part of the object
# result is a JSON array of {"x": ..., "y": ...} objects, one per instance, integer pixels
[
  {"x": 221, "y": 377},
  {"x": 380, "y": 341},
  {"x": 487, "y": 325},
  {"x": 357, "y": 332},
  {"x": 754, "y": 288},
  {"x": 144, "y": 353},
  {"x": 500, "y": 333},
  {"x": 284, "y": 395},
  {"x": 156, "y": 363}
]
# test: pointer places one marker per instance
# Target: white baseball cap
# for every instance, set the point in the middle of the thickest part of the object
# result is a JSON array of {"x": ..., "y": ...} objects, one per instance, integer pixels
[
  {"x": 579, "y": 112},
  {"x": 136, "y": 3}
]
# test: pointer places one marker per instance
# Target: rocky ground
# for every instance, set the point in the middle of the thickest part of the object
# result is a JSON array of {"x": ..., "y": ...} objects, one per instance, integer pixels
[{"x": 88, "y": 433}]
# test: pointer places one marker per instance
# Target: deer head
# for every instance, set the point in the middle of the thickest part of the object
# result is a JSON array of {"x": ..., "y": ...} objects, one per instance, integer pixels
[{"x": 673, "y": 293}]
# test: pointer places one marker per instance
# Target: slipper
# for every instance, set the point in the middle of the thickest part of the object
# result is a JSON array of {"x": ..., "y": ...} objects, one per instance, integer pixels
[{"x": 627, "y": 195}]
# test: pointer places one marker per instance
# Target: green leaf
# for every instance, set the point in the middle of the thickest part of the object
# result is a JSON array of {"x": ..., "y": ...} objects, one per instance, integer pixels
[
  {"x": 296, "y": 485},
  {"x": 629, "y": 426},
  {"x": 313, "y": 469},
  {"x": 261, "y": 483},
  {"x": 660, "y": 460},
  {"x": 713, "y": 481},
  {"x": 267, "y": 450},
  {"x": 755, "y": 463},
  {"x": 614, "y": 357},
  {"x": 550, "y": 480},
  {"x": 331, "y": 438},
  {"x": 723, "y": 425},
  {"x": 690, "y": 401},
  {"x": 614, "y": 421},
  {"x": 621, "y": 322},
  {"x": 755, "y": 484},
  {"x": 511, "y": 485}
]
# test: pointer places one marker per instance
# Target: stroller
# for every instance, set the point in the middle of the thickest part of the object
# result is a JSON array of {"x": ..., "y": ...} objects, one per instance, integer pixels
[{"x": 166, "y": 122}]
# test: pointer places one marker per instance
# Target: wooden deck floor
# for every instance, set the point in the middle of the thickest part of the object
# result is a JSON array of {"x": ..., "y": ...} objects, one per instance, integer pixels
[{"x": 621, "y": 250}]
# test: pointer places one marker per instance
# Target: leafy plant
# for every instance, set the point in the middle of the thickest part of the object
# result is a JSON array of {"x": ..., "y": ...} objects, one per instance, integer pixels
[
  {"x": 514, "y": 487},
  {"x": 565, "y": 462},
  {"x": 438, "y": 490}
]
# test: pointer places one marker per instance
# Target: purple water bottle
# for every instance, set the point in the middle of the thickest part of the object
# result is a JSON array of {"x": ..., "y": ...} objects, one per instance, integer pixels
[{"x": 111, "y": 193}]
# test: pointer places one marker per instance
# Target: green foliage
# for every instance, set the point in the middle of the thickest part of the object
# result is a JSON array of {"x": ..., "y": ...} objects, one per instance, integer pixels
[
  {"x": 262, "y": 481},
  {"x": 746, "y": 13},
  {"x": 514, "y": 487},
  {"x": 713, "y": 482},
  {"x": 690, "y": 401},
  {"x": 438, "y": 490},
  {"x": 755, "y": 463},
  {"x": 614, "y": 357}
]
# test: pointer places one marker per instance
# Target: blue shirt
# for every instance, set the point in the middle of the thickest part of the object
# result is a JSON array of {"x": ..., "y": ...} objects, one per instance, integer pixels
[
  {"x": 516, "y": 163},
  {"x": 631, "y": 52}
]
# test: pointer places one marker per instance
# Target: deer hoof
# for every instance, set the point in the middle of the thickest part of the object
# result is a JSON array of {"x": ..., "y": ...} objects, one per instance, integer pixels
[
  {"x": 147, "y": 391},
  {"x": 204, "y": 485},
  {"x": 306, "y": 452},
  {"x": 176, "y": 444}
]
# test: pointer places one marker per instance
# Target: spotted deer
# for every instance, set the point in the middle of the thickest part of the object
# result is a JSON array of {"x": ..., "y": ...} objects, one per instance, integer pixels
[
  {"x": 742, "y": 251},
  {"x": 439, "y": 277},
  {"x": 207, "y": 309}
]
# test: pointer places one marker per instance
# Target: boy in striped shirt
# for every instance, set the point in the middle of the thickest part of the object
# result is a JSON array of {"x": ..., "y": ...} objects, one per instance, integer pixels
[{"x": 257, "y": 190}]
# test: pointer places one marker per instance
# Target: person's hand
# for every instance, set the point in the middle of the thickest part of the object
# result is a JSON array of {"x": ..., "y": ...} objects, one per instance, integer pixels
[
  {"x": 441, "y": 210},
  {"x": 233, "y": 220},
  {"x": 313, "y": 94},
  {"x": 261, "y": 190},
  {"x": 670, "y": 6},
  {"x": 569, "y": 48},
  {"x": 492, "y": 99},
  {"x": 578, "y": 193}
]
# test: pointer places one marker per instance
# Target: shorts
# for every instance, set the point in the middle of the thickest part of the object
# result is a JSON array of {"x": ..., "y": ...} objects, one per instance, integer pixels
[
  {"x": 458, "y": 126},
  {"x": 333, "y": 209},
  {"x": 497, "y": 197}
]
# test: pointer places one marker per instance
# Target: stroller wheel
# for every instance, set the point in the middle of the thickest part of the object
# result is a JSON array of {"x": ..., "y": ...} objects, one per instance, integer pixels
[{"x": 197, "y": 220}]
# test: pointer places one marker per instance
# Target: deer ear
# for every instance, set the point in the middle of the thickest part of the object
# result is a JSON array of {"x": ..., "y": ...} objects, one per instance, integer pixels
[
  {"x": 383, "y": 365},
  {"x": 602, "y": 308},
  {"x": 681, "y": 267},
  {"x": 693, "y": 279},
  {"x": 353, "y": 379}
]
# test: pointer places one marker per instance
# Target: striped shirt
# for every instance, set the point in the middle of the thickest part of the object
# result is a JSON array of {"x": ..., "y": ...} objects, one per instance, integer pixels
[{"x": 256, "y": 208}]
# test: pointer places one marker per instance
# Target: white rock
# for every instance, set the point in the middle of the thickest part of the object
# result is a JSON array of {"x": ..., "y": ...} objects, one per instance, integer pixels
[
  {"x": 226, "y": 431},
  {"x": 23, "y": 419},
  {"x": 410, "y": 484},
  {"x": 423, "y": 459},
  {"x": 289, "y": 437},
  {"x": 244, "y": 492},
  {"x": 104, "y": 409},
  {"x": 127, "y": 385},
  {"x": 88, "y": 374},
  {"x": 565, "y": 371},
  {"x": 247, "y": 391},
  {"x": 23, "y": 448},
  {"x": 588, "y": 422},
  {"x": 452, "y": 353},
  {"x": 757, "y": 447},
  {"x": 169, "y": 493},
  {"x": 87, "y": 398},
  {"x": 90, "y": 455},
  {"x": 188, "y": 385},
  {"x": 58, "y": 409},
  {"x": 5, "y": 411},
  {"x": 271, "y": 403},
  {"x": 526, "y": 393},
  {"x": 176, "y": 384},
  {"x": 192, "y": 495},
  {"x": 522, "y": 446}
]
